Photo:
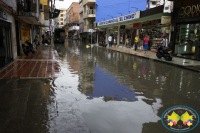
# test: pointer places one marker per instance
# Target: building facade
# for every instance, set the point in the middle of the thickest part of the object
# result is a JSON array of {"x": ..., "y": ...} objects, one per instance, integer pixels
[
  {"x": 72, "y": 20},
  {"x": 186, "y": 29},
  {"x": 89, "y": 15},
  {"x": 62, "y": 18},
  {"x": 131, "y": 19},
  {"x": 20, "y": 20}
]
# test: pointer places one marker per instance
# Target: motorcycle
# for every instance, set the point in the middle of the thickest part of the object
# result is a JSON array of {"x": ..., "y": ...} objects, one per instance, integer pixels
[
  {"x": 164, "y": 52},
  {"x": 27, "y": 48}
]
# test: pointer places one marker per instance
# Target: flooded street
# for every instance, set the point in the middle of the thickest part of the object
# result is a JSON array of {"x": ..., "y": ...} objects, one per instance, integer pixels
[{"x": 98, "y": 91}]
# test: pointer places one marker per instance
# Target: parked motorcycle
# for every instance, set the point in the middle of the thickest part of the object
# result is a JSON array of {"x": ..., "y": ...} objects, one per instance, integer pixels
[
  {"x": 164, "y": 52},
  {"x": 27, "y": 48}
]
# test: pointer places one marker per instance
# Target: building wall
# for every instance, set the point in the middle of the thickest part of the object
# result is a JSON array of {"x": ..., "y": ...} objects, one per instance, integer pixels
[
  {"x": 106, "y": 9},
  {"x": 75, "y": 12}
]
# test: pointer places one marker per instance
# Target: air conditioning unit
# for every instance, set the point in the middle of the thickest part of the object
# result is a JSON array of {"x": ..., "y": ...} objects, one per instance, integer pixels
[{"x": 41, "y": 8}]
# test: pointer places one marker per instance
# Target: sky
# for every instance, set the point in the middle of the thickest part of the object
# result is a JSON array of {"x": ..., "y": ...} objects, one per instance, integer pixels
[{"x": 64, "y": 4}]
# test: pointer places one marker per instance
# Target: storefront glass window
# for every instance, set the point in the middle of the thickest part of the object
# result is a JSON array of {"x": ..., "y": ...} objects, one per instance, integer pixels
[{"x": 188, "y": 39}]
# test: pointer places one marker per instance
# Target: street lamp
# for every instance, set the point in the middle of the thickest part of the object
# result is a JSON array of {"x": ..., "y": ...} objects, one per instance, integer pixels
[{"x": 135, "y": 8}]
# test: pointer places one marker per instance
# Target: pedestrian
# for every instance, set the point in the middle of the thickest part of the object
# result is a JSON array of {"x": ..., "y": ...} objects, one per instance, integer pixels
[
  {"x": 146, "y": 41},
  {"x": 127, "y": 42},
  {"x": 115, "y": 41},
  {"x": 110, "y": 40},
  {"x": 164, "y": 42},
  {"x": 136, "y": 42}
]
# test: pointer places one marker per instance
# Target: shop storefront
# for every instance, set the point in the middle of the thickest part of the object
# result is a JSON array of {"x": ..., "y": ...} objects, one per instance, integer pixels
[
  {"x": 187, "y": 29},
  {"x": 156, "y": 30},
  {"x": 6, "y": 55},
  {"x": 25, "y": 32}
]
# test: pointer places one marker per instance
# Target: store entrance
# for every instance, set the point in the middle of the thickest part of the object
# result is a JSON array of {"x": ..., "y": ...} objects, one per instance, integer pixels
[{"x": 5, "y": 44}]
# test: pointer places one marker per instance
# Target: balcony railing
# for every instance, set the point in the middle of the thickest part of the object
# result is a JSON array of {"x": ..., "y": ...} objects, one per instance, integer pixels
[
  {"x": 90, "y": 26},
  {"x": 90, "y": 11}
]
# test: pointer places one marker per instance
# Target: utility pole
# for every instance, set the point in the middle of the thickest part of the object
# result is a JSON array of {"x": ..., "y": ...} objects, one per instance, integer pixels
[{"x": 147, "y": 4}]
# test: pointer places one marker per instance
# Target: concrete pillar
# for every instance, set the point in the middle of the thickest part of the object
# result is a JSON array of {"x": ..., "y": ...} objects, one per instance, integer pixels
[
  {"x": 107, "y": 34},
  {"x": 118, "y": 36}
]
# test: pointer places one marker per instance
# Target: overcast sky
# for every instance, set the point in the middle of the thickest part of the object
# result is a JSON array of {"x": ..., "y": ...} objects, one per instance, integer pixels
[{"x": 64, "y": 4}]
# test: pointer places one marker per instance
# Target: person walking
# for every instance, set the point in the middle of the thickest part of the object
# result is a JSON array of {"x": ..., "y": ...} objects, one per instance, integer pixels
[
  {"x": 146, "y": 41},
  {"x": 164, "y": 42},
  {"x": 110, "y": 40},
  {"x": 136, "y": 42},
  {"x": 115, "y": 41}
]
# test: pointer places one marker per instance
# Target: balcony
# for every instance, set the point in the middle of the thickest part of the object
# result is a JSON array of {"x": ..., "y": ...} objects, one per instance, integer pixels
[
  {"x": 90, "y": 26},
  {"x": 90, "y": 13},
  {"x": 89, "y": 2},
  {"x": 29, "y": 12},
  {"x": 80, "y": 9}
]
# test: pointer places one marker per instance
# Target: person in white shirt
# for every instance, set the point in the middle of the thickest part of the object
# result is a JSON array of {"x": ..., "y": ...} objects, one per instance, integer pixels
[
  {"x": 110, "y": 41},
  {"x": 165, "y": 42}
]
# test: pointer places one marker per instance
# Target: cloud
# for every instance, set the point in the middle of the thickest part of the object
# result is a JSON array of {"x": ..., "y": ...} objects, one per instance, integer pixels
[{"x": 64, "y": 4}]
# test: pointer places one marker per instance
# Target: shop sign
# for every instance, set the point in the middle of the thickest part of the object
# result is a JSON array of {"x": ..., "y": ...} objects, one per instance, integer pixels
[
  {"x": 131, "y": 16},
  {"x": 166, "y": 20},
  {"x": 25, "y": 13},
  {"x": 3, "y": 14},
  {"x": 115, "y": 28},
  {"x": 190, "y": 11},
  {"x": 136, "y": 25},
  {"x": 148, "y": 23}
]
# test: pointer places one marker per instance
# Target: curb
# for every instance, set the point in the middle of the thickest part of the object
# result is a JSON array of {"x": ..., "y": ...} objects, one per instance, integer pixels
[{"x": 158, "y": 60}]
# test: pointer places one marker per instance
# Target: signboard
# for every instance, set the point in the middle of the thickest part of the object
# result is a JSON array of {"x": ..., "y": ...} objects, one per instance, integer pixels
[
  {"x": 115, "y": 28},
  {"x": 136, "y": 25},
  {"x": 166, "y": 20},
  {"x": 131, "y": 16},
  {"x": 189, "y": 11},
  {"x": 91, "y": 30}
]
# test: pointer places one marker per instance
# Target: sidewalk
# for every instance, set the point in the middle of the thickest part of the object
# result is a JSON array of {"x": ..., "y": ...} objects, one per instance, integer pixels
[
  {"x": 176, "y": 61},
  {"x": 42, "y": 64}
]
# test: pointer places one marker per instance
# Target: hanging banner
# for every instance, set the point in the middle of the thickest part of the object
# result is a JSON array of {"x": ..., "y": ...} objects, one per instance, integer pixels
[
  {"x": 166, "y": 20},
  {"x": 25, "y": 32}
]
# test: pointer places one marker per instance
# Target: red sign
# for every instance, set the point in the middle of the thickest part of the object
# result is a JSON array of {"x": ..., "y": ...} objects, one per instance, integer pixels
[{"x": 136, "y": 25}]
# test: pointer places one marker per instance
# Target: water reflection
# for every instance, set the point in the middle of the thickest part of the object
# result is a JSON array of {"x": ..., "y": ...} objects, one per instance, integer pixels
[{"x": 107, "y": 76}]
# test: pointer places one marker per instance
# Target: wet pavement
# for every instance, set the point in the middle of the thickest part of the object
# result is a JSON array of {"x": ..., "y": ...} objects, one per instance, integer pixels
[
  {"x": 99, "y": 91},
  {"x": 42, "y": 64}
]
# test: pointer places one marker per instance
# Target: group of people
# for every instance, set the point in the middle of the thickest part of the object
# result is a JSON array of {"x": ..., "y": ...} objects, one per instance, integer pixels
[{"x": 136, "y": 40}]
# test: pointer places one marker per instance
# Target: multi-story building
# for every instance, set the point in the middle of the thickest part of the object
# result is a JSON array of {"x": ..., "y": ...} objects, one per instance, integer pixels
[
  {"x": 168, "y": 5},
  {"x": 62, "y": 18},
  {"x": 72, "y": 20},
  {"x": 89, "y": 15}
]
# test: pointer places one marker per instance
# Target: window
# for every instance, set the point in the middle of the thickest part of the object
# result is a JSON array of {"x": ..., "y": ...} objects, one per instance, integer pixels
[
  {"x": 153, "y": 2},
  {"x": 61, "y": 15},
  {"x": 167, "y": 8},
  {"x": 61, "y": 23}
]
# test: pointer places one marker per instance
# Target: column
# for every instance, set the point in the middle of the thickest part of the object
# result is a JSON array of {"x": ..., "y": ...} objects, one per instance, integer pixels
[{"x": 118, "y": 36}]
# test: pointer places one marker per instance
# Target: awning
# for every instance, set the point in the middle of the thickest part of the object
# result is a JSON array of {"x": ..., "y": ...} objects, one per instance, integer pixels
[{"x": 29, "y": 20}]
